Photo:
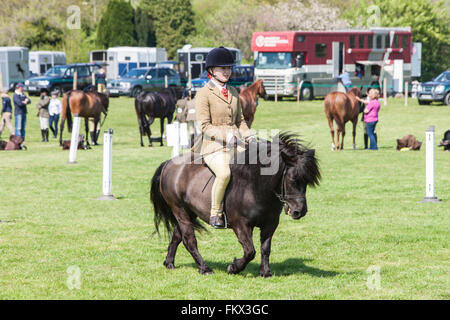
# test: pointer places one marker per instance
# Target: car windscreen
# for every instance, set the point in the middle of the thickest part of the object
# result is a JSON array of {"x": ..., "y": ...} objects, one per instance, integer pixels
[
  {"x": 57, "y": 71},
  {"x": 135, "y": 73},
  {"x": 443, "y": 77},
  {"x": 274, "y": 60}
]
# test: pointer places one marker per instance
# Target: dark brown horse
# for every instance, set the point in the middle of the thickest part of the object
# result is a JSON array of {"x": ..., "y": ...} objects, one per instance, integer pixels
[
  {"x": 151, "y": 105},
  {"x": 342, "y": 107},
  {"x": 255, "y": 196},
  {"x": 86, "y": 104},
  {"x": 249, "y": 100}
]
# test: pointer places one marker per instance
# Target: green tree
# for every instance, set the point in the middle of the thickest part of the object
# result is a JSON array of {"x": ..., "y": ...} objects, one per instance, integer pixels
[
  {"x": 174, "y": 22},
  {"x": 116, "y": 27},
  {"x": 145, "y": 32},
  {"x": 38, "y": 33},
  {"x": 428, "y": 20}
]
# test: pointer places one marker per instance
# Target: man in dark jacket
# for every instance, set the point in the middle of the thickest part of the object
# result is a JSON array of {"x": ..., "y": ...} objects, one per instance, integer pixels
[{"x": 20, "y": 110}]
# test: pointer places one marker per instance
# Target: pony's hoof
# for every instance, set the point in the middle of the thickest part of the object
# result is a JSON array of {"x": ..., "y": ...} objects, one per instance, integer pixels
[
  {"x": 232, "y": 269},
  {"x": 265, "y": 274},
  {"x": 206, "y": 271},
  {"x": 169, "y": 265},
  {"x": 354, "y": 147}
]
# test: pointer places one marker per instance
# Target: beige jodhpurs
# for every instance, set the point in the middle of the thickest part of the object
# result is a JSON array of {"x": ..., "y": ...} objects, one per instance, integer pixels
[
  {"x": 219, "y": 163},
  {"x": 6, "y": 119}
]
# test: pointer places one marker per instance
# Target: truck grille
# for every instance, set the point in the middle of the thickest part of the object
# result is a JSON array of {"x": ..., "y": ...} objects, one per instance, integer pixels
[{"x": 269, "y": 83}]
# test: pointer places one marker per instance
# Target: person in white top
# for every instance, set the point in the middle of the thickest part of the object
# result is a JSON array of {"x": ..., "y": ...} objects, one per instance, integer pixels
[{"x": 54, "y": 109}]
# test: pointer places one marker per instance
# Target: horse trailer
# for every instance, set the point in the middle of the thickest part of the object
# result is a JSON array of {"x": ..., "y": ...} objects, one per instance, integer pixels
[
  {"x": 192, "y": 61},
  {"x": 123, "y": 59},
  {"x": 41, "y": 61},
  {"x": 311, "y": 61},
  {"x": 13, "y": 66}
]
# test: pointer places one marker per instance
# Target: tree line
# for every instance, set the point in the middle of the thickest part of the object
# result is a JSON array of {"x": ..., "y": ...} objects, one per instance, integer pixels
[{"x": 171, "y": 24}]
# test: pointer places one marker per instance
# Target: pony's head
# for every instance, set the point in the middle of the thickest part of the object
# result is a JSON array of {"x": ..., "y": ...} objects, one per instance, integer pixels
[
  {"x": 301, "y": 169},
  {"x": 261, "y": 89}
]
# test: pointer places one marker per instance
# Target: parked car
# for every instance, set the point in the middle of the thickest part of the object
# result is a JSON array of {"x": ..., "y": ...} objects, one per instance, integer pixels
[
  {"x": 240, "y": 75},
  {"x": 60, "y": 78},
  {"x": 143, "y": 79},
  {"x": 436, "y": 90}
]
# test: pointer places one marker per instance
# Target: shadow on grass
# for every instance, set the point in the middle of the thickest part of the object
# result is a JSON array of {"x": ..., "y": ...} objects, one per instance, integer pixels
[{"x": 288, "y": 267}]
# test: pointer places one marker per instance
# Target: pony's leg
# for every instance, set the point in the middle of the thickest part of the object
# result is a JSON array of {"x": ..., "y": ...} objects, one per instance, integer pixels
[
  {"x": 162, "y": 130},
  {"x": 330, "y": 124},
  {"x": 95, "y": 133},
  {"x": 86, "y": 126},
  {"x": 186, "y": 226},
  {"x": 244, "y": 234},
  {"x": 250, "y": 121},
  {"x": 149, "y": 132},
  {"x": 172, "y": 250},
  {"x": 354, "y": 134},
  {"x": 266, "y": 241}
]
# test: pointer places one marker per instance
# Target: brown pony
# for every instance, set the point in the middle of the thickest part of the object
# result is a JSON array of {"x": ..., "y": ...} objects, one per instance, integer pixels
[
  {"x": 342, "y": 107},
  {"x": 88, "y": 104},
  {"x": 249, "y": 100}
]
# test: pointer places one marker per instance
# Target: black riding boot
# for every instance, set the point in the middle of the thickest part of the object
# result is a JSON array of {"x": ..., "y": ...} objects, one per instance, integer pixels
[
  {"x": 46, "y": 135},
  {"x": 43, "y": 135},
  {"x": 217, "y": 221},
  {"x": 366, "y": 141}
]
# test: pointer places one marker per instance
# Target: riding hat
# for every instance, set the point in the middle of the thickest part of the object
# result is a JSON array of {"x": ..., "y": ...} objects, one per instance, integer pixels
[{"x": 219, "y": 57}]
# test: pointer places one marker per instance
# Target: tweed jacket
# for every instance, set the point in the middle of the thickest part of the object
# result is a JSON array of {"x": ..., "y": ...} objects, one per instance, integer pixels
[
  {"x": 218, "y": 118},
  {"x": 42, "y": 107}
]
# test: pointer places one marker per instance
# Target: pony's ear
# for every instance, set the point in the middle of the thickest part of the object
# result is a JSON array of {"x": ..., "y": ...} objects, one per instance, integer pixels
[{"x": 311, "y": 152}]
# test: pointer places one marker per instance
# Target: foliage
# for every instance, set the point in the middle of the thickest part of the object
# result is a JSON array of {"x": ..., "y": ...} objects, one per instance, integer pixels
[
  {"x": 145, "y": 32},
  {"x": 116, "y": 27},
  {"x": 428, "y": 20},
  {"x": 174, "y": 22},
  {"x": 38, "y": 33}
]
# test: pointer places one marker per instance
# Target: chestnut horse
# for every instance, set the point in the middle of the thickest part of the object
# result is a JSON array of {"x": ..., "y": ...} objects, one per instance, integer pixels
[
  {"x": 249, "y": 100},
  {"x": 88, "y": 104},
  {"x": 342, "y": 107},
  {"x": 181, "y": 193}
]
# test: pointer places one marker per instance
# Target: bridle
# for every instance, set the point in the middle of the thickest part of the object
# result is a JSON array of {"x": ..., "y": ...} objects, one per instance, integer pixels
[{"x": 282, "y": 196}]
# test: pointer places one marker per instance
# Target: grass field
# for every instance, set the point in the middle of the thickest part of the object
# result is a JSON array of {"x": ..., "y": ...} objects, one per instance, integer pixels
[{"x": 366, "y": 215}]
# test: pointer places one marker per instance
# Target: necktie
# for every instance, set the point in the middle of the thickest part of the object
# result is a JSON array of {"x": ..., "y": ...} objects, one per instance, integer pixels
[{"x": 225, "y": 93}]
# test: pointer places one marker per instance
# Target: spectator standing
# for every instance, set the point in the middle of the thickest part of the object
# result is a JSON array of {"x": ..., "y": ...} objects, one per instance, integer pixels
[
  {"x": 371, "y": 116},
  {"x": 20, "y": 110},
  {"x": 54, "y": 110},
  {"x": 43, "y": 114},
  {"x": 6, "y": 113}
]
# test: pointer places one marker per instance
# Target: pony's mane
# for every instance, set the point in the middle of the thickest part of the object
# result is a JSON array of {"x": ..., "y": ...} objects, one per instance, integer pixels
[{"x": 293, "y": 153}]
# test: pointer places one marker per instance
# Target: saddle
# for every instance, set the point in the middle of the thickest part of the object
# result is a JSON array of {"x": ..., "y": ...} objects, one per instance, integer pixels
[{"x": 81, "y": 144}]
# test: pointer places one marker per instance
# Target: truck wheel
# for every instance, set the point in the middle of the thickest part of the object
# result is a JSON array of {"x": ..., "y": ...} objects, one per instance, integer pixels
[{"x": 306, "y": 92}]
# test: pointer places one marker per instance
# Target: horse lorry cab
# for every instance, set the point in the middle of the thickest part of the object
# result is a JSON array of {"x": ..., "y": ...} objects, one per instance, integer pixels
[{"x": 313, "y": 60}]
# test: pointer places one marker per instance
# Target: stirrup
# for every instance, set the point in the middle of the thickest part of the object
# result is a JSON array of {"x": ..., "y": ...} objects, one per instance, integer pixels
[{"x": 219, "y": 216}]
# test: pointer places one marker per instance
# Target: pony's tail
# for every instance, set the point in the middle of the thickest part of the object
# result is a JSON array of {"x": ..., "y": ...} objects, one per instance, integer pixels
[
  {"x": 161, "y": 208},
  {"x": 68, "y": 113}
]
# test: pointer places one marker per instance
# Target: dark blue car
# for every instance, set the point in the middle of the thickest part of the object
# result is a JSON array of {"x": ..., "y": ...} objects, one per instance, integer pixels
[
  {"x": 240, "y": 75},
  {"x": 437, "y": 90}
]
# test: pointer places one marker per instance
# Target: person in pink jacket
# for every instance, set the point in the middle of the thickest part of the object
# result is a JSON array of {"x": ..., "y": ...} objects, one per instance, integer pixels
[{"x": 371, "y": 116}]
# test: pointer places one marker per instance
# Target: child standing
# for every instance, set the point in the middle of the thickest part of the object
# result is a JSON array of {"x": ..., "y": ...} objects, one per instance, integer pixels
[
  {"x": 54, "y": 109},
  {"x": 43, "y": 114}
]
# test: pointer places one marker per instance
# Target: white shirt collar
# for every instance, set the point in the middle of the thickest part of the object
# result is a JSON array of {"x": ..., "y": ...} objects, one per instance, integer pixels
[{"x": 218, "y": 85}]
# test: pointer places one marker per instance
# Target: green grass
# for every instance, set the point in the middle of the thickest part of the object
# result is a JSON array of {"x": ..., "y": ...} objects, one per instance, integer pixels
[{"x": 366, "y": 212}]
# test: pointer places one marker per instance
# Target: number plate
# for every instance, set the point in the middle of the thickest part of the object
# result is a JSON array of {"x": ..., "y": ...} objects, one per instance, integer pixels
[
  {"x": 32, "y": 88},
  {"x": 114, "y": 91},
  {"x": 426, "y": 96}
]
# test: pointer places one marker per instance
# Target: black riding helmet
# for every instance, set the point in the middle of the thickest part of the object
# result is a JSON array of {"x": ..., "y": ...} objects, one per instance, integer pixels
[{"x": 219, "y": 57}]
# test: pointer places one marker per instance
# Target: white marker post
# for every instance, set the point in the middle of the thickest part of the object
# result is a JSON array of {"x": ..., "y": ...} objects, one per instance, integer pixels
[
  {"x": 429, "y": 163},
  {"x": 107, "y": 166},
  {"x": 74, "y": 140}
]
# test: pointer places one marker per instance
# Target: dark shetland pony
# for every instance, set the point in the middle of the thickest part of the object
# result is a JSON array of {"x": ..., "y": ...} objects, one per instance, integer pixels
[
  {"x": 181, "y": 193},
  {"x": 86, "y": 104},
  {"x": 249, "y": 100},
  {"x": 151, "y": 105},
  {"x": 342, "y": 107}
]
